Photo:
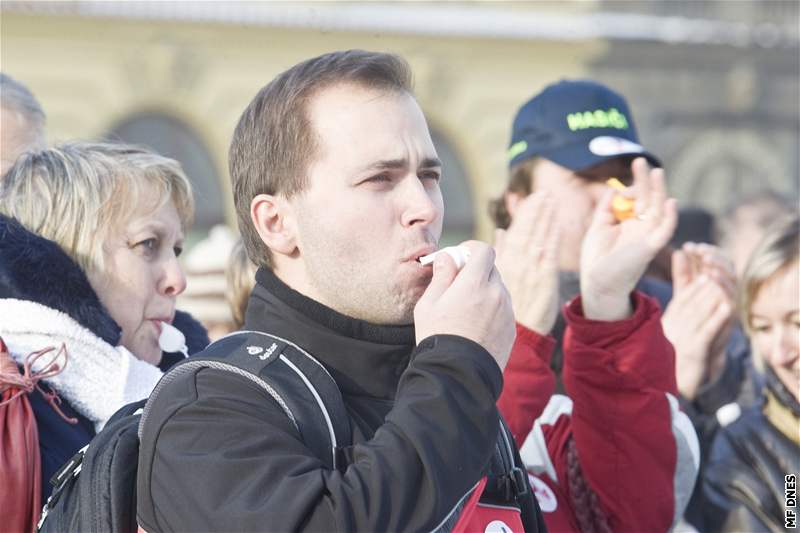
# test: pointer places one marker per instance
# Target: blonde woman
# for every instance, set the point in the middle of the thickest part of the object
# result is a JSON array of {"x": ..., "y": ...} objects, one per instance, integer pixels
[
  {"x": 751, "y": 458},
  {"x": 90, "y": 234}
]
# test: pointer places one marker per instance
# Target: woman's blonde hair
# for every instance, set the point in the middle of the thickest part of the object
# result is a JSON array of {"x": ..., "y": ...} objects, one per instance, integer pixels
[
  {"x": 79, "y": 193},
  {"x": 779, "y": 249},
  {"x": 241, "y": 277}
]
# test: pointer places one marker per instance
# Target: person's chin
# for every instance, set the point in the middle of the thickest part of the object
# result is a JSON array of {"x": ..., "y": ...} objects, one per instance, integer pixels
[
  {"x": 417, "y": 287},
  {"x": 414, "y": 292},
  {"x": 148, "y": 350},
  {"x": 153, "y": 356},
  {"x": 789, "y": 378}
]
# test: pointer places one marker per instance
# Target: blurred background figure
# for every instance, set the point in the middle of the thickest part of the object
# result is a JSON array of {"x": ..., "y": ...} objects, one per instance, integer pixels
[
  {"x": 206, "y": 295},
  {"x": 241, "y": 280},
  {"x": 568, "y": 141},
  {"x": 744, "y": 222},
  {"x": 613, "y": 363},
  {"x": 22, "y": 121},
  {"x": 744, "y": 480}
]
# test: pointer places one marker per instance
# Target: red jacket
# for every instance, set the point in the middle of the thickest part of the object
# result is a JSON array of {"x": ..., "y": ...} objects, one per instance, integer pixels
[{"x": 617, "y": 455}]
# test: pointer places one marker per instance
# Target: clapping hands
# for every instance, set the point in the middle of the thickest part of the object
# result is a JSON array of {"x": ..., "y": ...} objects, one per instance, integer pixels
[
  {"x": 527, "y": 258},
  {"x": 699, "y": 318}
]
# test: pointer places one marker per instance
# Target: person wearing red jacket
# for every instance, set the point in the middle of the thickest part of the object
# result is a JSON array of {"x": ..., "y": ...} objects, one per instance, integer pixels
[{"x": 617, "y": 454}]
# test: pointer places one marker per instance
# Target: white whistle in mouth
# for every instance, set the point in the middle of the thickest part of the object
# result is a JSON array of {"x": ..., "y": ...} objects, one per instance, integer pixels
[
  {"x": 172, "y": 340},
  {"x": 460, "y": 254}
]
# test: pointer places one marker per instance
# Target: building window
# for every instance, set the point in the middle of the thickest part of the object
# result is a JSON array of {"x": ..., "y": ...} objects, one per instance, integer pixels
[
  {"x": 459, "y": 207},
  {"x": 172, "y": 138}
]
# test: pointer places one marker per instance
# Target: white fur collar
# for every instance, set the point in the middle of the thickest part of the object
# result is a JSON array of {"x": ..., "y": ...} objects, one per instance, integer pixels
[{"x": 98, "y": 378}]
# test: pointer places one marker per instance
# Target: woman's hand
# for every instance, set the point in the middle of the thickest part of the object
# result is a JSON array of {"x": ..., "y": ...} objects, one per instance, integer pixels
[
  {"x": 614, "y": 255},
  {"x": 527, "y": 259}
]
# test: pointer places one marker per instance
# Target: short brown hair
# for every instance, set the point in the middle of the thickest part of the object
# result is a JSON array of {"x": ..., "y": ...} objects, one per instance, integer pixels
[
  {"x": 521, "y": 182},
  {"x": 274, "y": 141},
  {"x": 241, "y": 278}
]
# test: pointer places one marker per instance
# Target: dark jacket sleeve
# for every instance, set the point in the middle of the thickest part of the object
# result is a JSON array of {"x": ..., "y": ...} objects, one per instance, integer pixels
[{"x": 224, "y": 457}]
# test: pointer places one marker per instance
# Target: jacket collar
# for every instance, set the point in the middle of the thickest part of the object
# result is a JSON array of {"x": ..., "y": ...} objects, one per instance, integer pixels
[
  {"x": 364, "y": 358},
  {"x": 783, "y": 418},
  {"x": 780, "y": 392},
  {"x": 36, "y": 269}
]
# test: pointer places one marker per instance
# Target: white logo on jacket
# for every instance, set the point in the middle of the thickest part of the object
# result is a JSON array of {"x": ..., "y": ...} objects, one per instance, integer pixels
[
  {"x": 254, "y": 350},
  {"x": 498, "y": 526},
  {"x": 544, "y": 494}
]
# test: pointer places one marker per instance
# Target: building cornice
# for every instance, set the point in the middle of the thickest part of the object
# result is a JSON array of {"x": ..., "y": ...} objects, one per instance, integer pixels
[{"x": 448, "y": 19}]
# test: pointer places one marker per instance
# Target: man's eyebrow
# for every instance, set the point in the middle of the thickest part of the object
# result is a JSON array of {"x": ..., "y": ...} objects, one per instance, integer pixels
[
  {"x": 389, "y": 164},
  {"x": 429, "y": 162}
]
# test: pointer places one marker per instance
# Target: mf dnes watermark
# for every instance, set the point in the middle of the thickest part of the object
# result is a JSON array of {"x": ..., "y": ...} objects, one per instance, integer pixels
[{"x": 790, "y": 501}]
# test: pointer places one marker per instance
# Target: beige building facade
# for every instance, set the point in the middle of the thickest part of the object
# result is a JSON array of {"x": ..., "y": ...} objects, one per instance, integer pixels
[
  {"x": 185, "y": 83},
  {"x": 177, "y": 75}
]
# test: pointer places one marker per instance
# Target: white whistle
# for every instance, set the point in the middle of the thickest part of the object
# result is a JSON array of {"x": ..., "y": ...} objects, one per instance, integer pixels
[
  {"x": 460, "y": 254},
  {"x": 172, "y": 340}
]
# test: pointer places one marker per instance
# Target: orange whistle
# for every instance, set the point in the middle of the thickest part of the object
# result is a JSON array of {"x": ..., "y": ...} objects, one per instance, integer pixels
[{"x": 622, "y": 206}]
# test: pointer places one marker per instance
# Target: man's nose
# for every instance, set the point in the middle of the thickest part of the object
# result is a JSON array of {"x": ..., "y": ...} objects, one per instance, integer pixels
[{"x": 419, "y": 205}]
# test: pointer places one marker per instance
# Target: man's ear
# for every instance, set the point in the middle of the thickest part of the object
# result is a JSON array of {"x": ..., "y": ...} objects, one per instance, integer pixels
[
  {"x": 512, "y": 200},
  {"x": 273, "y": 219}
]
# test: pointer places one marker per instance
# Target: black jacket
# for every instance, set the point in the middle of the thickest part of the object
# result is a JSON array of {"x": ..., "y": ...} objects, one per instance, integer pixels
[
  {"x": 744, "y": 481},
  {"x": 423, "y": 419},
  {"x": 36, "y": 269}
]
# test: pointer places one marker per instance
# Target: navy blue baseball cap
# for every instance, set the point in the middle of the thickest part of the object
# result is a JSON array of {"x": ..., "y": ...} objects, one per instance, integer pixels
[{"x": 576, "y": 124}]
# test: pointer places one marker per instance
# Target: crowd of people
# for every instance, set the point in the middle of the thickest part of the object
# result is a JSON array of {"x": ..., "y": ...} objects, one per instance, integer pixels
[{"x": 637, "y": 383}]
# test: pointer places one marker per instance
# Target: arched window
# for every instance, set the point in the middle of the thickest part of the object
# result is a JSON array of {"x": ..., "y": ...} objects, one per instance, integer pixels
[
  {"x": 459, "y": 207},
  {"x": 172, "y": 138}
]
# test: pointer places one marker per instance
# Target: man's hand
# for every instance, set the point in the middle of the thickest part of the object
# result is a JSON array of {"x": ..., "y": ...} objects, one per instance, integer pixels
[
  {"x": 471, "y": 303},
  {"x": 527, "y": 258},
  {"x": 699, "y": 318},
  {"x": 614, "y": 255}
]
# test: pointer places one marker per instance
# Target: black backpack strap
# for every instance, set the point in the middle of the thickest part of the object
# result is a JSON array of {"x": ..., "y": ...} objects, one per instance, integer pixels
[
  {"x": 73, "y": 467},
  {"x": 110, "y": 459},
  {"x": 517, "y": 476},
  {"x": 506, "y": 481},
  {"x": 299, "y": 383}
]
